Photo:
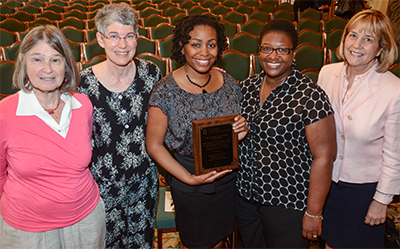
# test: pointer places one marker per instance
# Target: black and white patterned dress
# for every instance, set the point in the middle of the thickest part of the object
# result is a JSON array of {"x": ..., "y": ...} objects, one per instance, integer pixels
[
  {"x": 127, "y": 177},
  {"x": 274, "y": 158}
]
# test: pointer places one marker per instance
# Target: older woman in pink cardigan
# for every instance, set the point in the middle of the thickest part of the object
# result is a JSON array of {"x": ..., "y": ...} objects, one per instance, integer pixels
[{"x": 48, "y": 196}]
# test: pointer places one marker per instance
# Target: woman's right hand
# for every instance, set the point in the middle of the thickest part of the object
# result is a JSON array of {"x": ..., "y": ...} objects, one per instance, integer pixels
[{"x": 207, "y": 177}]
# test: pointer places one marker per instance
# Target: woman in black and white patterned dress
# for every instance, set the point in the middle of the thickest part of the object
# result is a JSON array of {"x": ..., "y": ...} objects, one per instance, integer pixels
[
  {"x": 119, "y": 89},
  {"x": 285, "y": 161}
]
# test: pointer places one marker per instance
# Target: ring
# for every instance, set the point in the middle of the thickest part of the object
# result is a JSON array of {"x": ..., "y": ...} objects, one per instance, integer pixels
[{"x": 314, "y": 236}]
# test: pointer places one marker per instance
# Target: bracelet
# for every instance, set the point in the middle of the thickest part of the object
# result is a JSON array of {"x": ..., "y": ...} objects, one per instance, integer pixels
[{"x": 313, "y": 216}]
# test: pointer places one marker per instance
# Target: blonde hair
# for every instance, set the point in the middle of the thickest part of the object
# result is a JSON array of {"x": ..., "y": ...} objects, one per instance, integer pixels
[
  {"x": 56, "y": 40},
  {"x": 377, "y": 23}
]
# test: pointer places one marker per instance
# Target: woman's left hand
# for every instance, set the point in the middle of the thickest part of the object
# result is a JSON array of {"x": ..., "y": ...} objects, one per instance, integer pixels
[
  {"x": 312, "y": 227},
  {"x": 241, "y": 127},
  {"x": 376, "y": 214}
]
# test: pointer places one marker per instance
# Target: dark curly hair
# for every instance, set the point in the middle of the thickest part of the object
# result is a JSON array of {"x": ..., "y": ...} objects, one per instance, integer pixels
[
  {"x": 185, "y": 25},
  {"x": 280, "y": 26}
]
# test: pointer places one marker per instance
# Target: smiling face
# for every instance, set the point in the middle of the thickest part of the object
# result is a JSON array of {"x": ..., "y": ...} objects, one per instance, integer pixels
[
  {"x": 122, "y": 51},
  {"x": 45, "y": 68},
  {"x": 276, "y": 67},
  {"x": 360, "y": 49},
  {"x": 202, "y": 50}
]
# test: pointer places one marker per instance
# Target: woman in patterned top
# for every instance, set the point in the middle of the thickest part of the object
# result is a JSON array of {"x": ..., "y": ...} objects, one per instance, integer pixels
[
  {"x": 204, "y": 203},
  {"x": 285, "y": 162},
  {"x": 119, "y": 89}
]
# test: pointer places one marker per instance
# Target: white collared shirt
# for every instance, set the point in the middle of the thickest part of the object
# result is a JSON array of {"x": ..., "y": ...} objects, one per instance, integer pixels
[{"x": 28, "y": 105}]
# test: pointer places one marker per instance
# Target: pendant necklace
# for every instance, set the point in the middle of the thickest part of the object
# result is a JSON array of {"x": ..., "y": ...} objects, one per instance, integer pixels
[
  {"x": 202, "y": 87},
  {"x": 51, "y": 111}
]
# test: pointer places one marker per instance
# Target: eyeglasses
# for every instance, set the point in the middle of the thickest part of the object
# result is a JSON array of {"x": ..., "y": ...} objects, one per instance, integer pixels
[
  {"x": 280, "y": 51},
  {"x": 114, "y": 38}
]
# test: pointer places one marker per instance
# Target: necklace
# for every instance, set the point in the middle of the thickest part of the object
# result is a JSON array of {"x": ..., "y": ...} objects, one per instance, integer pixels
[
  {"x": 51, "y": 111},
  {"x": 202, "y": 87}
]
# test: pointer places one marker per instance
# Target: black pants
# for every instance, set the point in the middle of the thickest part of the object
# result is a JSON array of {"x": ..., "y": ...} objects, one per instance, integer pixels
[{"x": 262, "y": 226}]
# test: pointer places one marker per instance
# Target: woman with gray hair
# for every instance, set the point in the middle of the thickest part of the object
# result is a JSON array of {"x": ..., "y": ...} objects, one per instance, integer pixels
[
  {"x": 49, "y": 198},
  {"x": 119, "y": 89}
]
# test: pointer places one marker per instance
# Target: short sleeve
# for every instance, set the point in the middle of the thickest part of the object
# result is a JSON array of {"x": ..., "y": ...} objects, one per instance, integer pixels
[
  {"x": 160, "y": 95},
  {"x": 317, "y": 105}
]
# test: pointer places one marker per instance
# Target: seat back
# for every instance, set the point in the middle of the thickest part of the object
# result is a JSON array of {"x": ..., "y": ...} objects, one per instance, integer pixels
[
  {"x": 244, "y": 42},
  {"x": 306, "y": 51},
  {"x": 10, "y": 53},
  {"x": 244, "y": 9},
  {"x": 230, "y": 3},
  {"x": 165, "y": 46},
  {"x": 236, "y": 64},
  {"x": 74, "y": 34},
  {"x": 23, "y": 16},
  {"x": 253, "y": 27},
  {"x": 6, "y": 74},
  {"x": 51, "y": 15},
  {"x": 4, "y": 9},
  {"x": 309, "y": 23},
  {"x": 208, "y": 4},
  {"x": 146, "y": 45},
  {"x": 41, "y": 21},
  {"x": 161, "y": 31},
  {"x": 310, "y": 36},
  {"x": 72, "y": 21},
  {"x": 260, "y": 16},
  {"x": 154, "y": 20},
  {"x": 172, "y": 11},
  {"x": 148, "y": 12},
  {"x": 267, "y": 8},
  {"x": 334, "y": 22},
  {"x": 77, "y": 50},
  {"x": 7, "y": 38},
  {"x": 165, "y": 5},
  {"x": 284, "y": 14},
  {"x": 235, "y": 17},
  {"x": 197, "y": 10},
  {"x": 220, "y": 10},
  {"x": 333, "y": 38},
  {"x": 75, "y": 13},
  {"x": 251, "y": 3},
  {"x": 312, "y": 13},
  {"x": 231, "y": 29},
  {"x": 11, "y": 24},
  {"x": 285, "y": 6},
  {"x": 91, "y": 50}
]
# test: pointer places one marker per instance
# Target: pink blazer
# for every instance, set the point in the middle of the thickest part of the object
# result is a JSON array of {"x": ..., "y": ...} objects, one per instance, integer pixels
[{"x": 367, "y": 127}]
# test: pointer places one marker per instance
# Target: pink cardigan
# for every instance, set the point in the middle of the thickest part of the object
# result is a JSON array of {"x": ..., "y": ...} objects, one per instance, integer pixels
[
  {"x": 45, "y": 181},
  {"x": 367, "y": 128}
]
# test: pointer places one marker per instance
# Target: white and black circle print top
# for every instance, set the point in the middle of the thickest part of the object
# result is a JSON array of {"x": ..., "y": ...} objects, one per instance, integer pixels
[{"x": 274, "y": 158}]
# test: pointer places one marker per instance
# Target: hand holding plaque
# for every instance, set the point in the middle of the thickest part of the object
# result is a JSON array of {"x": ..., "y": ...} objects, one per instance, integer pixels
[{"x": 215, "y": 144}]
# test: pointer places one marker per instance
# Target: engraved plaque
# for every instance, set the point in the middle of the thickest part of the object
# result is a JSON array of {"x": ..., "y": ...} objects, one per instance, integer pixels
[{"x": 215, "y": 144}]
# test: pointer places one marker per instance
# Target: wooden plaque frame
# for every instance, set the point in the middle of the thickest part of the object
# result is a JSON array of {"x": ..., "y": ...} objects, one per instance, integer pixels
[{"x": 215, "y": 144}]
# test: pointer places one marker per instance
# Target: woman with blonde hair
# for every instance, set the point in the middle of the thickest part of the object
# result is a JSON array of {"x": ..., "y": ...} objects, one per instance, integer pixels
[{"x": 366, "y": 99}]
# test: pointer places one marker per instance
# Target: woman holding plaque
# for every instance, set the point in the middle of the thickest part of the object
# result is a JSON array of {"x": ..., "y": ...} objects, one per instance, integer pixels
[
  {"x": 203, "y": 203},
  {"x": 285, "y": 161}
]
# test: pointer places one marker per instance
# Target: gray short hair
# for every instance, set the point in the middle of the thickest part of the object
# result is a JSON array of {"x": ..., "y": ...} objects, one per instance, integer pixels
[{"x": 121, "y": 13}]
